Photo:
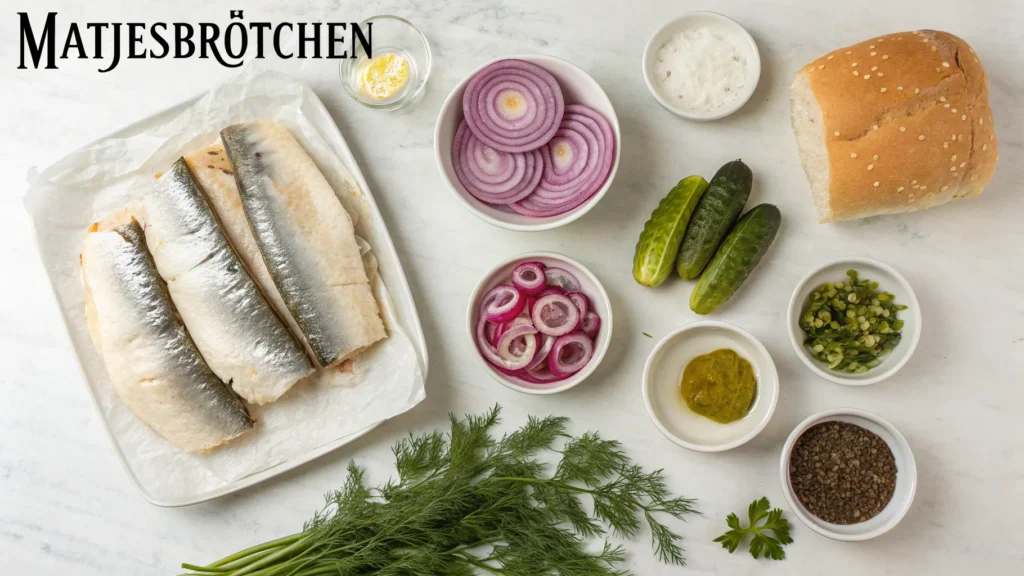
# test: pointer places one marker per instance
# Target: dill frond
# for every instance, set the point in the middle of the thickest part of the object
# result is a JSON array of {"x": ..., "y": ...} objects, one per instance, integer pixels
[{"x": 465, "y": 503}]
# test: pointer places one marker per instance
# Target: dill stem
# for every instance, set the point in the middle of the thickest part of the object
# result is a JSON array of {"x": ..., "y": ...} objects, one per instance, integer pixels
[
  {"x": 461, "y": 547},
  {"x": 196, "y": 568},
  {"x": 253, "y": 550},
  {"x": 551, "y": 482},
  {"x": 548, "y": 482},
  {"x": 288, "y": 565},
  {"x": 473, "y": 561},
  {"x": 321, "y": 571},
  {"x": 242, "y": 562},
  {"x": 298, "y": 546}
]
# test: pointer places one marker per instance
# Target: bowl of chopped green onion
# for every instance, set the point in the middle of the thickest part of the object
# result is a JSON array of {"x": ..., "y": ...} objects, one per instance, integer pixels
[{"x": 854, "y": 321}]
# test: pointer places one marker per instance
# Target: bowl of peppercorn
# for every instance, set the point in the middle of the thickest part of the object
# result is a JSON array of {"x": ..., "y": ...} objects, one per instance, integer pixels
[{"x": 848, "y": 474}]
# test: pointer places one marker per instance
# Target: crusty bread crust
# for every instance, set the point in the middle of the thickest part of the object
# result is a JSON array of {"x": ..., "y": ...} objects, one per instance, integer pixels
[{"x": 907, "y": 124}]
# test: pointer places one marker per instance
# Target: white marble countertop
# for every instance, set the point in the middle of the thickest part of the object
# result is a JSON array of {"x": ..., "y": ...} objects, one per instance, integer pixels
[{"x": 66, "y": 506}]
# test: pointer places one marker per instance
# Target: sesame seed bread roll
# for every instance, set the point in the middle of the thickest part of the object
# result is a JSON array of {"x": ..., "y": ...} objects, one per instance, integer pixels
[{"x": 895, "y": 124}]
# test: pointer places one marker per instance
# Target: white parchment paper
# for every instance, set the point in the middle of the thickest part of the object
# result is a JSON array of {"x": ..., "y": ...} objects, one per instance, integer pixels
[{"x": 328, "y": 406}]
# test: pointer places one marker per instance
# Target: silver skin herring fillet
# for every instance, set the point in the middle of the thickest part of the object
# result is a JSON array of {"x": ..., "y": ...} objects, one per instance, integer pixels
[
  {"x": 307, "y": 240},
  {"x": 237, "y": 331},
  {"x": 152, "y": 361}
]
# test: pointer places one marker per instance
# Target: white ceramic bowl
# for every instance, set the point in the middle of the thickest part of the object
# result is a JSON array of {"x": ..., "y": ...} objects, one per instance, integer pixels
[
  {"x": 664, "y": 371},
  {"x": 578, "y": 88},
  {"x": 718, "y": 23},
  {"x": 590, "y": 285},
  {"x": 906, "y": 477},
  {"x": 889, "y": 280}
]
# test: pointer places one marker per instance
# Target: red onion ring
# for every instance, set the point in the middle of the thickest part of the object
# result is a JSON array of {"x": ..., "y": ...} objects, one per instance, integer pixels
[
  {"x": 580, "y": 349},
  {"x": 493, "y": 176},
  {"x": 561, "y": 278},
  {"x": 581, "y": 301},
  {"x": 530, "y": 301},
  {"x": 499, "y": 329},
  {"x": 591, "y": 324},
  {"x": 549, "y": 291},
  {"x": 513, "y": 106},
  {"x": 517, "y": 358},
  {"x": 547, "y": 342},
  {"x": 529, "y": 278},
  {"x": 555, "y": 315},
  {"x": 539, "y": 376},
  {"x": 577, "y": 162},
  {"x": 504, "y": 303},
  {"x": 484, "y": 345}
]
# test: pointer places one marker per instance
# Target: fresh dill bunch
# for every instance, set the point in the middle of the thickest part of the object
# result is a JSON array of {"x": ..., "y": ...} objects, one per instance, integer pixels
[{"x": 465, "y": 503}]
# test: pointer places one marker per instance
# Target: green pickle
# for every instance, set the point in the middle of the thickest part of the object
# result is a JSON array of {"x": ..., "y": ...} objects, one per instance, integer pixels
[
  {"x": 850, "y": 325},
  {"x": 659, "y": 242},
  {"x": 720, "y": 386}
]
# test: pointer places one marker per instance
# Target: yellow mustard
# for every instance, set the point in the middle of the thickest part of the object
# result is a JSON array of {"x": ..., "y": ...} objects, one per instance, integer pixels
[
  {"x": 384, "y": 76},
  {"x": 720, "y": 386}
]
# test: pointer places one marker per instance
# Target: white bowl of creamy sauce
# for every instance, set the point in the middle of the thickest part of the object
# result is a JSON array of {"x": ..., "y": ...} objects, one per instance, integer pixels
[{"x": 702, "y": 66}]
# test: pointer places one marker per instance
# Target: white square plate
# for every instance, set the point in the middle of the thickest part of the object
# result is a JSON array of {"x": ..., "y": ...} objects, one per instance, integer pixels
[{"x": 60, "y": 199}]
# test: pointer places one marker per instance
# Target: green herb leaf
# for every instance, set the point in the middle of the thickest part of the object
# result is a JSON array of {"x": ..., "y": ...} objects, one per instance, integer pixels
[
  {"x": 465, "y": 503},
  {"x": 761, "y": 543},
  {"x": 646, "y": 334}
]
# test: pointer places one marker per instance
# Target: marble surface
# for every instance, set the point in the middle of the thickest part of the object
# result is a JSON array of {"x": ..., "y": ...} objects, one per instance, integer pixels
[{"x": 66, "y": 505}]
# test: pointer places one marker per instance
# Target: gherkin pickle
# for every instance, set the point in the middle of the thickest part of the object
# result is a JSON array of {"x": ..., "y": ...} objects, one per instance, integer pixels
[{"x": 850, "y": 325}]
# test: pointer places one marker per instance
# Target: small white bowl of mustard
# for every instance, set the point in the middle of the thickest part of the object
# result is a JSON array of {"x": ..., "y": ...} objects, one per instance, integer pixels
[{"x": 663, "y": 389}]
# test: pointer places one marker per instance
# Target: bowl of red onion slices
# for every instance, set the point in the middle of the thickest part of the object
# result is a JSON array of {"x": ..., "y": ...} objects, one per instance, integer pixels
[
  {"x": 528, "y": 142},
  {"x": 540, "y": 322}
]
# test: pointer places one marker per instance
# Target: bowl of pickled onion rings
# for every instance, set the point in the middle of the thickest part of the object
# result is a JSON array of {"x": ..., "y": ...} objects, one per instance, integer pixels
[
  {"x": 528, "y": 142},
  {"x": 540, "y": 322}
]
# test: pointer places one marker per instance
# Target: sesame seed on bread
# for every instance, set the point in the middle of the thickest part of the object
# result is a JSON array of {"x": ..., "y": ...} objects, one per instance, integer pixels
[{"x": 894, "y": 124}]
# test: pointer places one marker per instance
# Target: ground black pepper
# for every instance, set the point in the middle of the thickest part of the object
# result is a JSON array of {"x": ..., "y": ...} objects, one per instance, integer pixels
[{"x": 842, "y": 473}]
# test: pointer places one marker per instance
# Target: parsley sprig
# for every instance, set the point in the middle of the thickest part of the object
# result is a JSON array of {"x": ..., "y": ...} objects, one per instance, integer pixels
[
  {"x": 770, "y": 546},
  {"x": 466, "y": 502}
]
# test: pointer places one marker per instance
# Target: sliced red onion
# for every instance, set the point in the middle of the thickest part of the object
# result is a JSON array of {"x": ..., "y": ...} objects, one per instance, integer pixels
[
  {"x": 515, "y": 373},
  {"x": 484, "y": 345},
  {"x": 513, "y": 106},
  {"x": 580, "y": 300},
  {"x": 577, "y": 163},
  {"x": 549, "y": 291},
  {"x": 539, "y": 376},
  {"x": 504, "y": 326},
  {"x": 530, "y": 301},
  {"x": 529, "y": 277},
  {"x": 503, "y": 303},
  {"x": 491, "y": 331},
  {"x": 493, "y": 176},
  {"x": 591, "y": 324},
  {"x": 517, "y": 346},
  {"x": 570, "y": 354},
  {"x": 561, "y": 278},
  {"x": 547, "y": 342},
  {"x": 555, "y": 315}
]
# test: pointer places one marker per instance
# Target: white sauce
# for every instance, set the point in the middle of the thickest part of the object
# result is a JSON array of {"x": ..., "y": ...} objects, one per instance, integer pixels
[{"x": 700, "y": 70}]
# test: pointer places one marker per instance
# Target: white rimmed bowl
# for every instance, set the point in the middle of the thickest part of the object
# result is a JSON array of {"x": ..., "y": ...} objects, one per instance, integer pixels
[
  {"x": 591, "y": 286},
  {"x": 906, "y": 477},
  {"x": 664, "y": 371},
  {"x": 740, "y": 38},
  {"x": 578, "y": 88},
  {"x": 889, "y": 280}
]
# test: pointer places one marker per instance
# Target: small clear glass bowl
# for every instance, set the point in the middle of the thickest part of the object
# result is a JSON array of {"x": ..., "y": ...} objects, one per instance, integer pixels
[{"x": 390, "y": 34}]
